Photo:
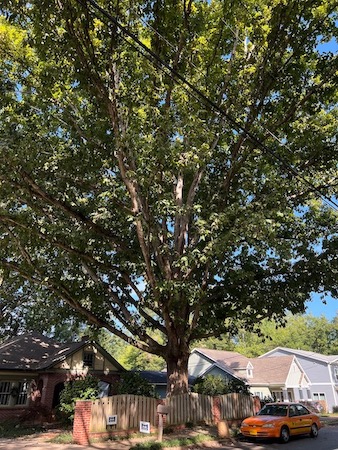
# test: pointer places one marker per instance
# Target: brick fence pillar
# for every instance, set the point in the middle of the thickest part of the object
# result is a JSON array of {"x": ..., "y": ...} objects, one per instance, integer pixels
[
  {"x": 82, "y": 416},
  {"x": 216, "y": 410}
]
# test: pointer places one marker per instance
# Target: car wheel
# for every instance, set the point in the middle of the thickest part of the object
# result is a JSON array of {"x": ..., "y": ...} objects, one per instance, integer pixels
[
  {"x": 284, "y": 435},
  {"x": 314, "y": 430}
]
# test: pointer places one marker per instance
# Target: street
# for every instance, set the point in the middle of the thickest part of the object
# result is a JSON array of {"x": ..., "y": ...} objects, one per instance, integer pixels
[{"x": 327, "y": 440}]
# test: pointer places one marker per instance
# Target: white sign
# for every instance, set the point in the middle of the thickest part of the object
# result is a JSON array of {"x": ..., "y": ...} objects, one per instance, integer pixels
[
  {"x": 144, "y": 427},
  {"x": 112, "y": 420}
]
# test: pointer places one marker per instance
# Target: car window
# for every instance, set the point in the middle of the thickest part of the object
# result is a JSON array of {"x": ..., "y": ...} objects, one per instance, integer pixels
[
  {"x": 293, "y": 411},
  {"x": 302, "y": 410},
  {"x": 273, "y": 410}
]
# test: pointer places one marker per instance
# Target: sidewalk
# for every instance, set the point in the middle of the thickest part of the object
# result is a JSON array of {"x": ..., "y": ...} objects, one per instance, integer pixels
[{"x": 41, "y": 442}]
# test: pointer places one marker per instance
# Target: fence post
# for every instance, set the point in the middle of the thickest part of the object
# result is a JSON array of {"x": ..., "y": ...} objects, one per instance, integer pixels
[
  {"x": 216, "y": 410},
  {"x": 82, "y": 416}
]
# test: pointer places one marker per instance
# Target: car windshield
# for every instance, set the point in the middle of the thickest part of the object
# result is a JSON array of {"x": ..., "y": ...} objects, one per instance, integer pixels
[{"x": 273, "y": 410}]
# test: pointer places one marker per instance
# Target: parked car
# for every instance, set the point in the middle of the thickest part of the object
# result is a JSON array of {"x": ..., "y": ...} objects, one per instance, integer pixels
[{"x": 281, "y": 420}]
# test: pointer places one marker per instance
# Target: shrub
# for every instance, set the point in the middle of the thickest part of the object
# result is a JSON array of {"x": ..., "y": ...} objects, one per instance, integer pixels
[
  {"x": 217, "y": 385},
  {"x": 133, "y": 383},
  {"x": 80, "y": 389},
  {"x": 335, "y": 409}
]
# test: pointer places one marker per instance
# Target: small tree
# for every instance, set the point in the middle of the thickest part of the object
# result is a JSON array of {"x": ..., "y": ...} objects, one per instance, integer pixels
[
  {"x": 80, "y": 389},
  {"x": 133, "y": 383},
  {"x": 217, "y": 385}
]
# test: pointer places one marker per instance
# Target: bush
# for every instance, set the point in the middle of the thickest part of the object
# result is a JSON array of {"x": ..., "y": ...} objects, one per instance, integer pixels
[
  {"x": 80, "y": 389},
  {"x": 217, "y": 385},
  {"x": 133, "y": 383},
  {"x": 335, "y": 409}
]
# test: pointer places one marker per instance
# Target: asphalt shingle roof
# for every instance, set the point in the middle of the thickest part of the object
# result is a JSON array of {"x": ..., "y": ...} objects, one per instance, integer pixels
[
  {"x": 34, "y": 352},
  {"x": 272, "y": 370},
  {"x": 305, "y": 353}
]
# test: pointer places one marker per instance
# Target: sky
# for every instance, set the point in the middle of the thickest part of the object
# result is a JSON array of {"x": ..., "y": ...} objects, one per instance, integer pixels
[{"x": 317, "y": 308}]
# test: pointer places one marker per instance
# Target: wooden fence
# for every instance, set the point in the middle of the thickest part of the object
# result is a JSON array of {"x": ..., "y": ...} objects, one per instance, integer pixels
[
  {"x": 236, "y": 406},
  {"x": 194, "y": 408},
  {"x": 130, "y": 410}
]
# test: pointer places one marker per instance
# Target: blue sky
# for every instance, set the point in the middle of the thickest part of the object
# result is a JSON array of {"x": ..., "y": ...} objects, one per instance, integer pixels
[{"x": 317, "y": 308}]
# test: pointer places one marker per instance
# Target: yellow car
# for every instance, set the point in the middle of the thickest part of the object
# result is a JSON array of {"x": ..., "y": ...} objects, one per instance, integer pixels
[{"x": 281, "y": 420}]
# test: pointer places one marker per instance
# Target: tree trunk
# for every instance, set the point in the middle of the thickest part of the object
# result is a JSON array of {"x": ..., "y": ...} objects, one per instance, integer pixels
[{"x": 177, "y": 371}]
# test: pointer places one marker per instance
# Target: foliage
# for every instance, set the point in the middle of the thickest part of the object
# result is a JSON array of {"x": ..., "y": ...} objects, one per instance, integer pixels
[
  {"x": 307, "y": 332},
  {"x": 133, "y": 202},
  {"x": 10, "y": 429},
  {"x": 134, "y": 359},
  {"x": 62, "y": 438},
  {"x": 80, "y": 389},
  {"x": 217, "y": 385},
  {"x": 133, "y": 383},
  {"x": 177, "y": 442}
]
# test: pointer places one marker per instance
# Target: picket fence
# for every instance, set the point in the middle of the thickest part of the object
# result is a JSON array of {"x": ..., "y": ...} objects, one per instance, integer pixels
[{"x": 130, "y": 410}]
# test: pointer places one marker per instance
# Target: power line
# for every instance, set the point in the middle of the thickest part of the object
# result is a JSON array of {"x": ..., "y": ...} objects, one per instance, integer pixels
[{"x": 210, "y": 103}]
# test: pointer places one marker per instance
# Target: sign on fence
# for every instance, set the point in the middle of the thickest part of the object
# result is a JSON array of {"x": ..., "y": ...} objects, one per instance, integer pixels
[
  {"x": 144, "y": 427},
  {"x": 112, "y": 420}
]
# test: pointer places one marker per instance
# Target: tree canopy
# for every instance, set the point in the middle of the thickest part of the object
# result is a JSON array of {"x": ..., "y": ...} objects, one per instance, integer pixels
[
  {"x": 307, "y": 332},
  {"x": 167, "y": 166}
]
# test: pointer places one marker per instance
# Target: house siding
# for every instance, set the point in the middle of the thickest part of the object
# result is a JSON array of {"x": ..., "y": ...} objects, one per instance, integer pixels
[
  {"x": 197, "y": 365},
  {"x": 217, "y": 372},
  {"x": 295, "y": 378},
  {"x": 75, "y": 361},
  {"x": 320, "y": 376}
]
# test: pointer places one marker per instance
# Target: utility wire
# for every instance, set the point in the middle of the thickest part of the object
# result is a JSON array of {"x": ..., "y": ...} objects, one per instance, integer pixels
[{"x": 210, "y": 103}]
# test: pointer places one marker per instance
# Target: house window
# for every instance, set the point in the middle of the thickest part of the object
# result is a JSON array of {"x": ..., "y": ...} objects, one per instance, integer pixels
[
  {"x": 13, "y": 393},
  {"x": 317, "y": 396},
  {"x": 88, "y": 359},
  {"x": 259, "y": 394},
  {"x": 21, "y": 398},
  {"x": 335, "y": 371},
  {"x": 5, "y": 392},
  {"x": 249, "y": 370}
]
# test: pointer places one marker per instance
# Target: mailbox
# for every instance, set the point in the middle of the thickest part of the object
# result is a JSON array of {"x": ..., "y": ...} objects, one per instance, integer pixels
[{"x": 163, "y": 409}]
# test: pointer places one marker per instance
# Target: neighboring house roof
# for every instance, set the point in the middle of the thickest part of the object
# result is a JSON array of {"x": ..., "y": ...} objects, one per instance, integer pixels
[
  {"x": 328, "y": 359},
  {"x": 269, "y": 371},
  {"x": 228, "y": 361},
  {"x": 159, "y": 378},
  {"x": 33, "y": 352}
]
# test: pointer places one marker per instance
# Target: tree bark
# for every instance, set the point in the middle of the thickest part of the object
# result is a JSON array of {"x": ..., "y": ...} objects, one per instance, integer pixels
[{"x": 177, "y": 369}]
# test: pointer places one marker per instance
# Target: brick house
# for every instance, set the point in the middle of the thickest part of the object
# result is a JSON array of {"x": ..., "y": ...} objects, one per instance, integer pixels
[{"x": 34, "y": 368}]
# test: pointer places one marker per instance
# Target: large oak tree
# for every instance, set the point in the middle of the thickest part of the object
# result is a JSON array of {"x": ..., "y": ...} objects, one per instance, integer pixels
[{"x": 183, "y": 190}]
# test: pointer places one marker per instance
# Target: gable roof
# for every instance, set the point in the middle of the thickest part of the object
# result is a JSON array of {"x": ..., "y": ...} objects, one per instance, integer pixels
[
  {"x": 229, "y": 360},
  {"x": 305, "y": 353},
  {"x": 33, "y": 352},
  {"x": 272, "y": 370}
]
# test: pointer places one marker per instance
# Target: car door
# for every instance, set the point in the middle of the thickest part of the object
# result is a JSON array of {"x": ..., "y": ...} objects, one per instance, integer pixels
[
  {"x": 295, "y": 421},
  {"x": 301, "y": 420},
  {"x": 304, "y": 419}
]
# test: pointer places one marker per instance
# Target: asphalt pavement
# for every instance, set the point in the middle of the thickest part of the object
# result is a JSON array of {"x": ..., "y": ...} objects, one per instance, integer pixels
[{"x": 327, "y": 440}]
